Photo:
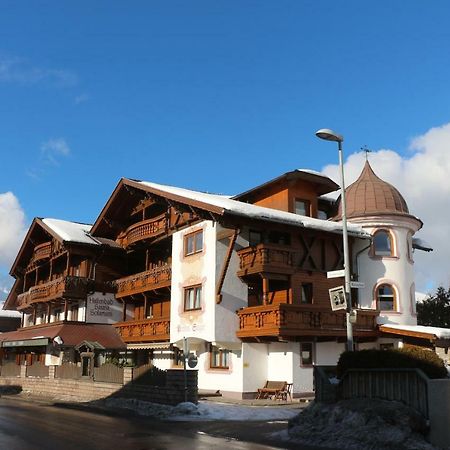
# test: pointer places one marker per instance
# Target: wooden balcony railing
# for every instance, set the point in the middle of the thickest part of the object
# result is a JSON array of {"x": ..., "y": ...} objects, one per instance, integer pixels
[
  {"x": 141, "y": 282},
  {"x": 148, "y": 330},
  {"x": 265, "y": 258},
  {"x": 298, "y": 320},
  {"x": 146, "y": 229},
  {"x": 42, "y": 251},
  {"x": 73, "y": 287}
]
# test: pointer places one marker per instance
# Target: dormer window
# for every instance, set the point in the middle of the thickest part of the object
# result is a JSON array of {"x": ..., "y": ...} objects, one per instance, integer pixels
[
  {"x": 382, "y": 243},
  {"x": 302, "y": 207}
]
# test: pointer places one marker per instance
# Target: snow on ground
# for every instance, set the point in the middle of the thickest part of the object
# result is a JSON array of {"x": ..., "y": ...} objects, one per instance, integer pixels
[
  {"x": 358, "y": 424},
  {"x": 204, "y": 411}
]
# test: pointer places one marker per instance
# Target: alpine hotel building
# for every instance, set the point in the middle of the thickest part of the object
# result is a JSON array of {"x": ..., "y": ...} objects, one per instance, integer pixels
[{"x": 243, "y": 278}]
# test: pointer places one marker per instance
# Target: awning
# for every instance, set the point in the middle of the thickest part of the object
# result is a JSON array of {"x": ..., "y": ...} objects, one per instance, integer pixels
[
  {"x": 150, "y": 346},
  {"x": 67, "y": 334},
  {"x": 27, "y": 343},
  {"x": 417, "y": 331}
]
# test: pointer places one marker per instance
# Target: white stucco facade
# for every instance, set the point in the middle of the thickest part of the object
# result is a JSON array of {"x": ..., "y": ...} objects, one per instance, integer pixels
[{"x": 396, "y": 270}]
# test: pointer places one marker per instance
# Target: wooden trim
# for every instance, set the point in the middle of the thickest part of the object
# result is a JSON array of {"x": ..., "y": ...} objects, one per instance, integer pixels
[{"x": 226, "y": 264}]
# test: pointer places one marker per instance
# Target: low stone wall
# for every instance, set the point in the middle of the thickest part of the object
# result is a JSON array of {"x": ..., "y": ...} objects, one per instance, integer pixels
[{"x": 85, "y": 390}]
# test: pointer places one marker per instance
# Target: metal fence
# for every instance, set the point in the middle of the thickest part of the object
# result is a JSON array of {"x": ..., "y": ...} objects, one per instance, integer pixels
[
  {"x": 38, "y": 370},
  {"x": 108, "y": 373}
]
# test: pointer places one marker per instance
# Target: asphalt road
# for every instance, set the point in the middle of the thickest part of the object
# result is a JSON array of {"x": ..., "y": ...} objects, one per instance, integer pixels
[{"x": 34, "y": 426}]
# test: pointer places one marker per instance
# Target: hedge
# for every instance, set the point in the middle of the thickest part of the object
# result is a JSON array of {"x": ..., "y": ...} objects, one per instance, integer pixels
[{"x": 404, "y": 358}]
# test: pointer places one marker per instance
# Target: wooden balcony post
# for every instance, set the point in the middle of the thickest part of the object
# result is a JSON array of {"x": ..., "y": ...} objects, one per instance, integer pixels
[
  {"x": 124, "y": 311},
  {"x": 66, "y": 309},
  {"x": 34, "y": 315},
  {"x": 36, "y": 277},
  {"x": 48, "y": 312},
  {"x": 265, "y": 284}
]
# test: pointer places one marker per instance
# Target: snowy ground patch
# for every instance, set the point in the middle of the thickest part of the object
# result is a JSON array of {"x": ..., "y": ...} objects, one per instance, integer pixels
[
  {"x": 203, "y": 411},
  {"x": 358, "y": 424}
]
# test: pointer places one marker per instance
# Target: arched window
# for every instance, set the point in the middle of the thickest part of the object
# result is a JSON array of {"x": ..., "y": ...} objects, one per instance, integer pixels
[
  {"x": 382, "y": 243},
  {"x": 386, "y": 298}
]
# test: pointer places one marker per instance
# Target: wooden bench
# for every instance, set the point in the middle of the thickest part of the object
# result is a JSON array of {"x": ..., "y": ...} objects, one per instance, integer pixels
[{"x": 272, "y": 389}]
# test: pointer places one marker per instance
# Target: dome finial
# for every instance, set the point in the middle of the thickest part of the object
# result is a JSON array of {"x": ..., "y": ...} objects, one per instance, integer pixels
[{"x": 367, "y": 150}]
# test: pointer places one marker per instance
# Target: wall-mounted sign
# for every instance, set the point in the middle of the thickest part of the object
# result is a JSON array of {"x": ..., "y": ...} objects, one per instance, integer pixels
[
  {"x": 103, "y": 308},
  {"x": 337, "y": 298}
]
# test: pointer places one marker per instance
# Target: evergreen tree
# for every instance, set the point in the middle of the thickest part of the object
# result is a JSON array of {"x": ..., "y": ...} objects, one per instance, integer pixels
[{"x": 435, "y": 311}]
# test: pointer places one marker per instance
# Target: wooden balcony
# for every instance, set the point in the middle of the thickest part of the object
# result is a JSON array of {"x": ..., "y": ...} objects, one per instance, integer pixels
[
  {"x": 148, "y": 330},
  {"x": 71, "y": 287},
  {"x": 156, "y": 278},
  {"x": 285, "y": 320},
  {"x": 147, "y": 229},
  {"x": 42, "y": 251},
  {"x": 265, "y": 258}
]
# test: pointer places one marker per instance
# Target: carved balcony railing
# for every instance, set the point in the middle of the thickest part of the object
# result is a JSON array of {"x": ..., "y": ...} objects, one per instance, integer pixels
[
  {"x": 148, "y": 330},
  {"x": 156, "y": 278},
  {"x": 72, "y": 287},
  {"x": 266, "y": 258},
  {"x": 42, "y": 251},
  {"x": 147, "y": 229},
  {"x": 286, "y": 320}
]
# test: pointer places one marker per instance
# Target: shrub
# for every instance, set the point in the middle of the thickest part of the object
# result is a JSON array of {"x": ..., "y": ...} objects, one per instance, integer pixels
[{"x": 405, "y": 358}]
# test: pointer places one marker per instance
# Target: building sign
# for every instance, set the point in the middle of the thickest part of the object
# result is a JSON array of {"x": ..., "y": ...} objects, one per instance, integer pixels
[
  {"x": 103, "y": 308},
  {"x": 338, "y": 298}
]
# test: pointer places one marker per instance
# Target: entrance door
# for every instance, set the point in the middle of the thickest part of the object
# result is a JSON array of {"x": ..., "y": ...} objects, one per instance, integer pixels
[{"x": 86, "y": 363}]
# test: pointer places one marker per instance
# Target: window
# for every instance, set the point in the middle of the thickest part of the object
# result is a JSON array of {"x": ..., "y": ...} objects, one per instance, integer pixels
[
  {"x": 306, "y": 293},
  {"x": 279, "y": 237},
  {"x": 193, "y": 243},
  {"x": 301, "y": 207},
  {"x": 192, "y": 298},
  {"x": 306, "y": 353},
  {"x": 74, "y": 315},
  {"x": 322, "y": 214},
  {"x": 382, "y": 243},
  {"x": 386, "y": 297},
  {"x": 219, "y": 358},
  {"x": 254, "y": 238},
  {"x": 387, "y": 346}
]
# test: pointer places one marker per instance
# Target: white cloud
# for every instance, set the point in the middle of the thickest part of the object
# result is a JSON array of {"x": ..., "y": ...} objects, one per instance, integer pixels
[
  {"x": 424, "y": 181},
  {"x": 19, "y": 70},
  {"x": 53, "y": 149},
  {"x": 12, "y": 230}
]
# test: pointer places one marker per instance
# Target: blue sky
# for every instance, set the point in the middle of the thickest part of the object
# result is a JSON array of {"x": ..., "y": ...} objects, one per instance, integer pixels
[{"x": 209, "y": 95}]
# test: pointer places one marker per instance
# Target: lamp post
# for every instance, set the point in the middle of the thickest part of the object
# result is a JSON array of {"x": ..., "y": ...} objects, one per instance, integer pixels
[{"x": 329, "y": 135}]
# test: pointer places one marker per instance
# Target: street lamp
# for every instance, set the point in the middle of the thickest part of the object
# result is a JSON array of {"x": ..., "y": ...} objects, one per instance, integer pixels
[{"x": 329, "y": 135}]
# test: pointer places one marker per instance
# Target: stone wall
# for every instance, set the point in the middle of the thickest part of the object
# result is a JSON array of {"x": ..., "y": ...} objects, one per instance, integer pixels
[{"x": 85, "y": 390}]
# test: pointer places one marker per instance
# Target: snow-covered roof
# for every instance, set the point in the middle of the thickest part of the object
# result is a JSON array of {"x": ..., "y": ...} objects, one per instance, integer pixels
[
  {"x": 313, "y": 172},
  {"x": 71, "y": 231},
  {"x": 256, "y": 212},
  {"x": 440, "y": 333}
]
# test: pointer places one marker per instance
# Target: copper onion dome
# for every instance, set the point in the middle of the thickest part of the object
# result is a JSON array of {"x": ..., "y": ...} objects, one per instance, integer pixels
[{"x": 369, "y": 195}]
